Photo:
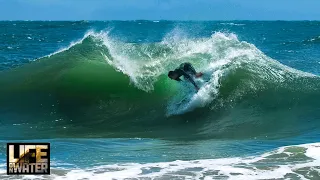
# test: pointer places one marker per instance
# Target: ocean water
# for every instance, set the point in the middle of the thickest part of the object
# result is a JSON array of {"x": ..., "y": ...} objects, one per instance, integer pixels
[{"x": 99, "y": 93}]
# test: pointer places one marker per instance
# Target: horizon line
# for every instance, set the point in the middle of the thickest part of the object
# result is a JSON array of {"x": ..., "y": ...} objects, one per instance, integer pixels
[{"x": 156, "y": 20}]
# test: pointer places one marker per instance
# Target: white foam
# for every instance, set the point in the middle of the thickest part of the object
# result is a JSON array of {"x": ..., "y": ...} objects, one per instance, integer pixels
[
  {"x": 232, "y": 24},
  {"x": 239, "y": 168},
  {"x": 236, "y": 168}
]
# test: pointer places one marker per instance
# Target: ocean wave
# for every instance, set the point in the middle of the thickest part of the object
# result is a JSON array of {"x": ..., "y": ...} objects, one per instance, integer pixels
[{"x": 123, "y": 89}]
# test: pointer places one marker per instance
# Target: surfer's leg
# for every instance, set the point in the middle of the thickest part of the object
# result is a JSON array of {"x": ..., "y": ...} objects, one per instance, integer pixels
[{"x": 189, "y": 68}]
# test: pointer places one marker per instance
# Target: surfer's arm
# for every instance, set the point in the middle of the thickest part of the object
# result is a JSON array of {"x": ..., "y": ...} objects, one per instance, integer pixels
[{"x": 187, "y": 76}]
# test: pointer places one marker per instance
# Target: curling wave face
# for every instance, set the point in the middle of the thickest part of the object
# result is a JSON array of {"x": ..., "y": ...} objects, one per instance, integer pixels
[{"x": 102, "y": 87}]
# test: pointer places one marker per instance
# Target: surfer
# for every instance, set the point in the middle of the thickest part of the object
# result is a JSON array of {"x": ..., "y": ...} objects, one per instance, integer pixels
[{"x": 187, "y": 71}]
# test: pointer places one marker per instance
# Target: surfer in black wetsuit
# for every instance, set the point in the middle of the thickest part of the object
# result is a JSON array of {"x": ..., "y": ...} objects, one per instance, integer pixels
[{"x": 187, "y": 71}]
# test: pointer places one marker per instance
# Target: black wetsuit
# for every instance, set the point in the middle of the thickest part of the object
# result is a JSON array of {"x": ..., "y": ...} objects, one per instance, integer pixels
[{"x": 186, "y": 70}]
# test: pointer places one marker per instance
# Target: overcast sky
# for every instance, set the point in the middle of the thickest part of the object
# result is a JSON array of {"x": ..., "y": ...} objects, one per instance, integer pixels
[{"x": 160, "y": 9}]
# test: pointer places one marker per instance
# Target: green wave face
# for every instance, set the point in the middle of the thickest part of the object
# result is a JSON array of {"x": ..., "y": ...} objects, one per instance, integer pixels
[{"x": 100, "y": 87}]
